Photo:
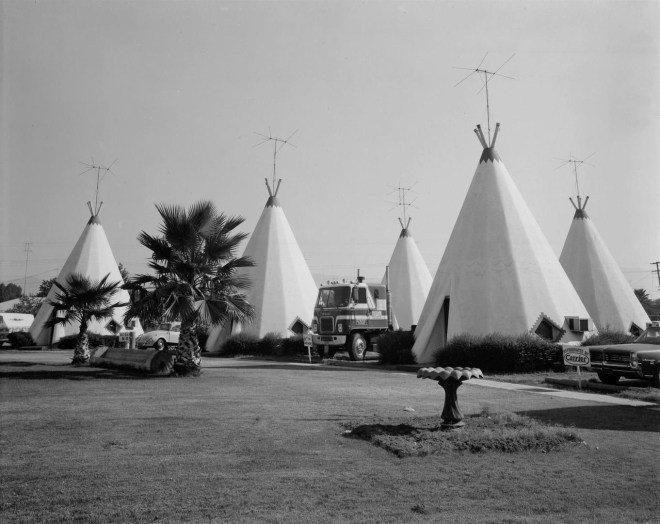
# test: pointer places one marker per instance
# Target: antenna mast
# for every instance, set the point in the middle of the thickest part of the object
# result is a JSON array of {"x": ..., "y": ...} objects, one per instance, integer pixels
[
  {"x": 404, "y": 220},
  {"x": 278, "y": 144},
  {"x": 99, "y": 178},
  {"x": 576, "y": 163},
  {"x": 487, "y": 74}
]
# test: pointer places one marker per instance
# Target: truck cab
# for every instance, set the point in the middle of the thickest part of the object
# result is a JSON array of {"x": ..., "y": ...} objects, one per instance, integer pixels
[{"x": 349, "y": 316}]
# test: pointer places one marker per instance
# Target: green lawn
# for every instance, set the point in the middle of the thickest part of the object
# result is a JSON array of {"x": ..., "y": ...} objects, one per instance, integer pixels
[{"x": 252, "y": 441}]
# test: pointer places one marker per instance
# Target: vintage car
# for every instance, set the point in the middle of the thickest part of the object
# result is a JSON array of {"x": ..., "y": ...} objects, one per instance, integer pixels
[
  {"x": 641, "y": 359},
  {"x": 167, "y": 334}
]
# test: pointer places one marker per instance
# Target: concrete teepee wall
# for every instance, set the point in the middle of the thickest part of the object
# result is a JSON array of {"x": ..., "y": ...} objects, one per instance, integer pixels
[
  {"x": 283, "y": 289},
  {"x": 498, "y": 272},
  {"x": 92, "y": 257},
  {"x": 598, "y": 279},
  {"x": 410, "y": 280}
]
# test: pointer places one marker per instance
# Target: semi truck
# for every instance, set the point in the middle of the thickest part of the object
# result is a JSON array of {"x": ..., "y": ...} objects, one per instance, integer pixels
[{"x": 350, "y": 316}]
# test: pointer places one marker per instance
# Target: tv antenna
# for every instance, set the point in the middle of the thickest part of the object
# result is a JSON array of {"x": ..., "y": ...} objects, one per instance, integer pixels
[
  {"x": 278, "y": 145},
  {"x": 402, "y": 193},
  {"x": 576, "y": 163},
  {"x": 99, "y": 168},
  {"x": 487, "y": 75}
]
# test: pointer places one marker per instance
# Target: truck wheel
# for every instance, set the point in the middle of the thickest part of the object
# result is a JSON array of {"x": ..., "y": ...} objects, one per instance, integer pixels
[
  {"x": 655, "y": 382},
  {"x": 358, "y": 347},
  {"x": 160, "y": 344},
  {"x": 606, "y": 378}
]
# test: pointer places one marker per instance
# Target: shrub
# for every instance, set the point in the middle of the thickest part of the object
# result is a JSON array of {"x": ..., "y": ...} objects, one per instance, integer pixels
[
  {"x": 497, "y": 353},
  {"x": 95, "y": 340},
  {"x": 608, "y": 336},
  {"x": 395, "y": 347},
  {"x": 293, "y": 345},
  {"x": 20, "y": 339},
  {"x": 240, "y": 344},
  {"x": 269, "y": 345}
]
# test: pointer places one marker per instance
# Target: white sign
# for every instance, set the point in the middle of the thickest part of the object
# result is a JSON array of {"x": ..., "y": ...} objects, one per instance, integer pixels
[
  {"x": 307, "y": 339},
  {"x": 576, "y": 356}
]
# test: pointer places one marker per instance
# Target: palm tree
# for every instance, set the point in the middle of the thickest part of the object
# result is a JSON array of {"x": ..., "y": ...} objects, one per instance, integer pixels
[
  {"x": 81, "y": 300},
  {"x": 195, "y": 276}
]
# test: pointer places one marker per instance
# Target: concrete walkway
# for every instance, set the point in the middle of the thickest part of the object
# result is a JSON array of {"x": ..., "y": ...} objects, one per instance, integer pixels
[{"x": 577, "y": 395}]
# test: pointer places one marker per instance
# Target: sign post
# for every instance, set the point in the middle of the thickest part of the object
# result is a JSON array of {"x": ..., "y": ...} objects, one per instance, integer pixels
[
  {"x": 307, "y": 340},
  {"x": 576, "y": 356}
]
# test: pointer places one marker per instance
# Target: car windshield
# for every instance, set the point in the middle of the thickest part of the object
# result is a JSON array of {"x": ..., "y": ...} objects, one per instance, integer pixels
[
  {"x": 165, "y": 326},
  {"x": 650, "y": 336},
  {"x": 334, "y": 296}
]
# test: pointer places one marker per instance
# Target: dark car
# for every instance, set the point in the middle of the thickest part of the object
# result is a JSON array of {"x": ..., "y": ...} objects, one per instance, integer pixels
[{"x": 641, "y": 359}]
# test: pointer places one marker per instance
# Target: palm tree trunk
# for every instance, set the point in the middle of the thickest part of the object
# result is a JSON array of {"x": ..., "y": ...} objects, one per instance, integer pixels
[
  {"x": 188, "y": 359},
  {"x": 81, "y": 352}
]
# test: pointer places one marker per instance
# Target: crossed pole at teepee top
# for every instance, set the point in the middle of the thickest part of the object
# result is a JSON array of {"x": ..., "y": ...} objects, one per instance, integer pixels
[
  {"x": 99, "y": 178},
  {"x": 278, "y": 144}
]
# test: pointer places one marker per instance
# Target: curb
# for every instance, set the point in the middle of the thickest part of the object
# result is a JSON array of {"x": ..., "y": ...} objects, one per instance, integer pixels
[{"x": 597, "y": 386}]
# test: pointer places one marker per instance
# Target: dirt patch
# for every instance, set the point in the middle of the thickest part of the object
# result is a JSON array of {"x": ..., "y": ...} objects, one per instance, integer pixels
[{"x": 502, "y": 432}]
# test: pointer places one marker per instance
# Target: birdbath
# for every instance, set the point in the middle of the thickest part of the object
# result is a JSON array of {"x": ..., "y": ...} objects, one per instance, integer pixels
[{"x": 450, "y": 379}]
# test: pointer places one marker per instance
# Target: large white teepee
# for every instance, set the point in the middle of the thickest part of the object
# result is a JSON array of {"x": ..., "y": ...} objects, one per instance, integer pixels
[
  {"x": 598, "y": 279},
  {"x": 92, "y": 257},
  {"x": 498, "y": 272},
  {"x": 409, "y": 280},
  {"x": 282, "y": 289}
]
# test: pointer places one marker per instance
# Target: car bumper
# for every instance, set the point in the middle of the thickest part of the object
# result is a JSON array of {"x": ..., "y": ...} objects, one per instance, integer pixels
[
  {"x": 329, "y": 340},
  {"x": 624, "y": 371}
]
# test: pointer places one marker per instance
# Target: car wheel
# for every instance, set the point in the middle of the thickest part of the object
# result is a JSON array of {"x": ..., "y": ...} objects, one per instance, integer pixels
[
  {"x": 606, "y": 378},
  {"x": 357, "y": 347},
  {"x": 655, "y": 382},
  {"x": 160, "y": 344}
]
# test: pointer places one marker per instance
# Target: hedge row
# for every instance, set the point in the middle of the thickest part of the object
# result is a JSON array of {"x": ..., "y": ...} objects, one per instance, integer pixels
[
  {"x": 19, "y": 339},
  {"x": 271, "y": 345},
  {"x": 497, "y": 353},
  {"x": 395, "y": 347},
  {"x": 607, "y": 336},
  {"x": 95, "y": 340}
]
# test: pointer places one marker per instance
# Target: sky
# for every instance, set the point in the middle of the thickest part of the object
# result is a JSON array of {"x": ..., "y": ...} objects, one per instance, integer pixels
[{"x": 175, "y": 96}]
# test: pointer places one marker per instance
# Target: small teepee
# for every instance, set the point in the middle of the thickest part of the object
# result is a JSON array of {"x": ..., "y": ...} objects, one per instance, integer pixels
[
  {"x": 282, "y": 289},
  {"x": 92, "y": 257},
  {"x": 498, "y": 272},
  {"x": 597, "y": 278},
  {"x": 409, "y": 280}
]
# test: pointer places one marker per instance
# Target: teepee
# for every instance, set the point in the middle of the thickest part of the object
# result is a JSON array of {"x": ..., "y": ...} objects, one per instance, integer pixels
[
  {"x": 282, "y": 289},
  {"x": 597, "y": 278},
  {"x": 92, "y": 257},
  {"x": 409, "y": 280},
  {"x": 498, "y": 272}
]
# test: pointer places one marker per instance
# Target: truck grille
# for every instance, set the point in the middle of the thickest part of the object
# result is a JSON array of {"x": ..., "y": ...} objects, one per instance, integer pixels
[{"x": 327, "y": 325}]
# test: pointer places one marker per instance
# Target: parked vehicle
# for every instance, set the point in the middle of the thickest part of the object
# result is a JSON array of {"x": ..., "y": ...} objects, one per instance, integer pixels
[
  {"x": 13, "y": 322},
  {"x": 641, "y": 359},
  {"x": 167, "y": 334},
  {"x": 349, "y": 316}
]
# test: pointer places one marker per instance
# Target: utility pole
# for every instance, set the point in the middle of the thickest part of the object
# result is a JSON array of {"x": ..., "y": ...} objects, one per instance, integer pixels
[
  {"x": 657, "y": 270},
  {"x": 27, "y": 256}
]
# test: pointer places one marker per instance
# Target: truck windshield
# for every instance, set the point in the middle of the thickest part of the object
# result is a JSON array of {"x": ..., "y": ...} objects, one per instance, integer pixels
[{"x": 334, "y": 297}]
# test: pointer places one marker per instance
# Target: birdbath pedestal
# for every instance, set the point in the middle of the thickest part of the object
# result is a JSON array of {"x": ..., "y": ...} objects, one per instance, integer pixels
[{"x": 450, "y": 380}]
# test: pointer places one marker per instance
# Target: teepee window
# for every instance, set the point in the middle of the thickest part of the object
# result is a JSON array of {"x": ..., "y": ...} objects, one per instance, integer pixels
[
  {"x": 547, "y": 329},
  {"x": 544, "y": 330},
  {"x": 298, "y": 326},
  {"x": 113, "y": 327},
  {"x": 635, "y": 330}
]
